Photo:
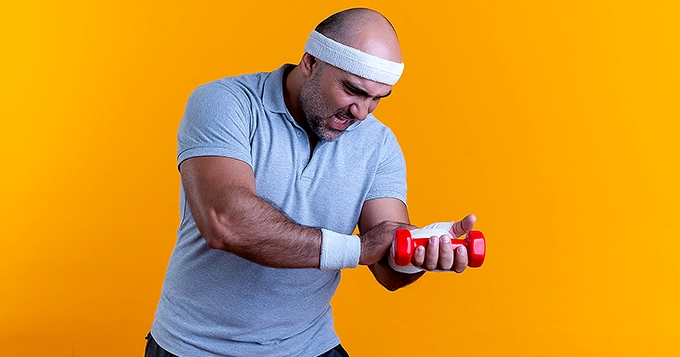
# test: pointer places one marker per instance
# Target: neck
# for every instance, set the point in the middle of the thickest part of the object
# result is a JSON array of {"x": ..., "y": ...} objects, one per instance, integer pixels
[{"x": 292, "y": 83}]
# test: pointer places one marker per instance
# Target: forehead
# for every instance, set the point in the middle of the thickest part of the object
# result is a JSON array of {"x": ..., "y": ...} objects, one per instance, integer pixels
[{"x": 374, "y": 89}]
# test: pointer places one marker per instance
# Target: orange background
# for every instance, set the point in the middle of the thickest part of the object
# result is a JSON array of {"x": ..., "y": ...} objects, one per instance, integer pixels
[{"x": 556, "y": 122}]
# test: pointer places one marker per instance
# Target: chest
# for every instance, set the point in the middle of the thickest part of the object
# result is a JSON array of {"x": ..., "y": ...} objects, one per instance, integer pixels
[{"x": 323, "y": 187}]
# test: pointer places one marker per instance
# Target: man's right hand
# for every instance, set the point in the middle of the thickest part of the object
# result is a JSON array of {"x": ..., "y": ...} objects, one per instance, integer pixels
[{"x": 378, "y": 240}]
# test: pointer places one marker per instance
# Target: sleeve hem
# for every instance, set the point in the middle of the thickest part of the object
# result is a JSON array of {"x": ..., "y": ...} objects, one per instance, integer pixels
[{"x": 213, "y": 151}]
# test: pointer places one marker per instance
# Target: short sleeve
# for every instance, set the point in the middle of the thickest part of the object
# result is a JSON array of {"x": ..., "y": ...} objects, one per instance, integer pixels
[
  {"x": 390, "y": 176},
  {"x": 217, "y": 121}
]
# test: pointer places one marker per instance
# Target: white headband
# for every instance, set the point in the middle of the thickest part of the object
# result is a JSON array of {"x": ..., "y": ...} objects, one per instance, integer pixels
[{"x": 352, "y": 60}]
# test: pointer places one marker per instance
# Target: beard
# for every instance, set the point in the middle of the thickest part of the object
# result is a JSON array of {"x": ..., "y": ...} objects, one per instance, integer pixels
[{"x": 318, "y": 116}]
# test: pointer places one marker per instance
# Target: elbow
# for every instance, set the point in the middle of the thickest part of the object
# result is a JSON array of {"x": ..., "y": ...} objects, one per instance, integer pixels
[
  {"x": 390, "y": 279},
  {"x": 392, "y": 286},
  {"x": 217, "y": 234},
  {"x": 215, "y": 242}
]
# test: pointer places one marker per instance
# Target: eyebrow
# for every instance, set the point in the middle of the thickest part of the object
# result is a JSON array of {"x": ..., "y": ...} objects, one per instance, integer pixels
[{"x": 356, "y": 90}]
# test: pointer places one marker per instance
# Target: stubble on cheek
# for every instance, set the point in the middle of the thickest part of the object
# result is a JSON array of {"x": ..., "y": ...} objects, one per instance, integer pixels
[{"x": 320, "y": 115}]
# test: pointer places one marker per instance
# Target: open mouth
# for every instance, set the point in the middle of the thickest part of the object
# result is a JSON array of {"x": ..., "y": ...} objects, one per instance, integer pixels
[{"x": 340, "y": 122}]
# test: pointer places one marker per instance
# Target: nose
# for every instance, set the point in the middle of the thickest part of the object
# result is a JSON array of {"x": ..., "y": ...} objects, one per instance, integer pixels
[{"x": 360, "y": 109}]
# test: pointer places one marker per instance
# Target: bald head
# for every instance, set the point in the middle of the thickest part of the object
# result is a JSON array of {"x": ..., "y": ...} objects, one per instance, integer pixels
[
  {"x": 364, "y": 29},
  {"x": 351, "y": 61}
]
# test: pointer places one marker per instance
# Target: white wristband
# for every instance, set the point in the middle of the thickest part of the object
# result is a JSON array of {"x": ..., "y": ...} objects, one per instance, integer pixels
[
  {"x": 409, "y": 269},
  {"x": 446, "y": 226},
  {"x": 339, "y": 251}
]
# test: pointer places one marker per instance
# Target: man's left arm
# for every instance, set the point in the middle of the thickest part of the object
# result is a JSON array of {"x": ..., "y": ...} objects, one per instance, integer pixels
[
  {"x": 372, "y": 213},
  {"x": 439, "y": 253}
]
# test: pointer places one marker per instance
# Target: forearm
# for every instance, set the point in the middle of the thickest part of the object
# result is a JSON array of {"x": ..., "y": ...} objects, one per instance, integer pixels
[
  {"x": 244, "y": 224},
  {"x": 374, "y": 212}
]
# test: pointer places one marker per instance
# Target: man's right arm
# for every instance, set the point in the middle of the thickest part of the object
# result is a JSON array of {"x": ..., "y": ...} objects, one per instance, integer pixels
[{"x": 230, "y": 216}]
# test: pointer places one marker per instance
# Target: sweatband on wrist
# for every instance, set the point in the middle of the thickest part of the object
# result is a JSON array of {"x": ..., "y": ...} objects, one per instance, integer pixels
[
  {"x": 440, "y": 225},
  {"x": 339, "y": 251},
  {"x": 353, "y": 60}
]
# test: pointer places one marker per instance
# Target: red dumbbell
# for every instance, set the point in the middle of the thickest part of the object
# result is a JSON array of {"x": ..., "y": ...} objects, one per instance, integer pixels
[{"x": 405, "y": 245}]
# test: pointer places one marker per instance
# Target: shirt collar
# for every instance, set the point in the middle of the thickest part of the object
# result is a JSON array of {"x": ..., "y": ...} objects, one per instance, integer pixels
[{"x": 273, "y": 91}]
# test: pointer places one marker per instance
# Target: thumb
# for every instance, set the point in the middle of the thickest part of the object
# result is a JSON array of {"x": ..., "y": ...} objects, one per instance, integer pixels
[{"x": 463, "y": 226}]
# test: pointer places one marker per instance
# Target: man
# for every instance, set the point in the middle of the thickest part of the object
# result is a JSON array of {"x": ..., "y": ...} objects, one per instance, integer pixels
[{"x": 277, "y": 170}]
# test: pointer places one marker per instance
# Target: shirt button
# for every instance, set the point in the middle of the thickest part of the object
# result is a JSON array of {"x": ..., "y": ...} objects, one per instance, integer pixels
[{"x": 299, "y": 133}]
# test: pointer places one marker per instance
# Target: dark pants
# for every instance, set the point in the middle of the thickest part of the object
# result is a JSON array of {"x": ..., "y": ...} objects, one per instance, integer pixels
[{"x": 154, "y": 350}]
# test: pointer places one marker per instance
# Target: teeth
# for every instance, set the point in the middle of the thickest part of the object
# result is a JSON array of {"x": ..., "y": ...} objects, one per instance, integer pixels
[{"x": 340, "y": 121}]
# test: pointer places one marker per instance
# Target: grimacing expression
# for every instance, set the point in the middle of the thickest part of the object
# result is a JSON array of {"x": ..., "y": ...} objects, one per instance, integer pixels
[
  {"x": 319, "y": 113},
  {"x": 333, "y": 99}
]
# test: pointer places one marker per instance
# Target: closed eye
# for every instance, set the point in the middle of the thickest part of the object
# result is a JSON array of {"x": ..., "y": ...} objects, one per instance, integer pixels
[{"x": 353, "y": 90}]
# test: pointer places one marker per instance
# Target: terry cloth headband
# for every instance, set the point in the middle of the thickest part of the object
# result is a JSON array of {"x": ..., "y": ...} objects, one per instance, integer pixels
[{"x": 352, "y": 60}]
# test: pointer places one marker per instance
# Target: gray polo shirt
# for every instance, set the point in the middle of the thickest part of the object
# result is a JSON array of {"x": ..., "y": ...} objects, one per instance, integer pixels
[{"x": 215, "y": 303}]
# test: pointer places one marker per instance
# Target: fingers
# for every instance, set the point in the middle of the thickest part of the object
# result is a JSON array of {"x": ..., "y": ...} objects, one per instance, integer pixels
[
  {"x": 406, "y": 226},
  {"x": 445, "y": 253},
  {"x": 376, "y": 242},
  {"x": 418, "y": 257},
  {"x": 426, "y": 257},
  {"x": 461, "y": 261},
  {"x": 439, "y": 254},
  {"x": 463, "y": 226},
  {"x": 431, "y": 254}
]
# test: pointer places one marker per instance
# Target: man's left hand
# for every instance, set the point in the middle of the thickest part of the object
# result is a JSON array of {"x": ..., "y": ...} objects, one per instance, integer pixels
[{"x": 440, "y": 253}]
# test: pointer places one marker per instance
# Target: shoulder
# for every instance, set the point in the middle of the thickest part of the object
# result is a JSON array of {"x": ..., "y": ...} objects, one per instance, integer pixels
[
  {"x": 373, "y": 130},
  {"x": 237, "y": 94},
  {"x": 243, "y": 86}
]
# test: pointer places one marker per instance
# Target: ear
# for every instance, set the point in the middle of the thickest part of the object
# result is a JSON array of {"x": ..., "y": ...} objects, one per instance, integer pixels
[{"x": 308, "y": 64}]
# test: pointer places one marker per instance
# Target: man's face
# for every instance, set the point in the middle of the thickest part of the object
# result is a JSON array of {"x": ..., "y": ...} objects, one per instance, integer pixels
[{"x": 333, "y": 99}]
